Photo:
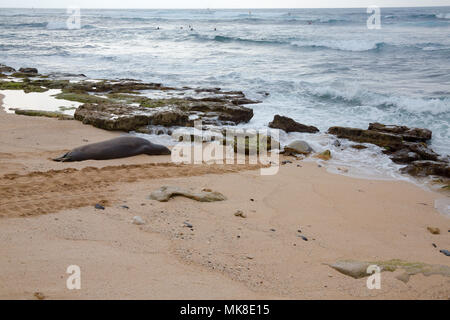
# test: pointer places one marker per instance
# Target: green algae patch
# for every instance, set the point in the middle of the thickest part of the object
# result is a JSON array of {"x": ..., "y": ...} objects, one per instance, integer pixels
[
  {"x": 40, "y": 113},
  {"x": 157, "y": 103},
  {"x": 80, "y": 97},
  {"x": 25, "y": 86}
]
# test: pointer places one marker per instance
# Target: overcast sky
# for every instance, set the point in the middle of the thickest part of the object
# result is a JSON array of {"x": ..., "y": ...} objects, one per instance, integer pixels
[{"x": 218, "y": 3}]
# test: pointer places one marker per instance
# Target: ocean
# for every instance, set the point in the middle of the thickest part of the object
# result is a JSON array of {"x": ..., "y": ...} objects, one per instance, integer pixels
[{"x": 322, "y": 67}]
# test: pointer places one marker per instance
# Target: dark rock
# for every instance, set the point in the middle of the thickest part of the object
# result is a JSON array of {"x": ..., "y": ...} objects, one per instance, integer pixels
[
  {"x": 336, "y": 143},
  {"x": 28, "y": 70},
  {"x": 408, "y": 134},
  {"x": 391, "y": 141},
  {"x": 434, "y": 230},
  {"x": 358, "y": 146},
  {"x": 304, "y": 238},
  {"x": 424, "y": 168},
  {"x": 241, "y": 101},
  {"x": 4, "y": 68},
  {"x": 290, "y": 125},
  {"x": 286, "y": 162},
  {"x": 99, "y": 207},
  {"x": 404, "y": 156},
  {"x": 188, "y": 225},
  {"x": 424, "y": 152}
]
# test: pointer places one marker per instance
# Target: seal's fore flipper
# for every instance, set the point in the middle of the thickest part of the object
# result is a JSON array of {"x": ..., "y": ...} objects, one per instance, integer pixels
[{"x": 63, "y": 158}]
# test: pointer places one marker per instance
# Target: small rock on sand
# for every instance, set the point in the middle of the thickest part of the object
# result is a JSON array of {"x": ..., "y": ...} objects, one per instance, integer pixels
[
  {"x": 446, "y": 252},
  {"x": 434, "y": 230},
  {"x": 188, "y": 225},
  {"x": 99, "y": 207},
  {"x": 404, "y": 277},
  {"x": 354, "y": 269},
  {"x": 39, "y": 295},
  {"x": 138, "y": 220},
  {"x": 240, "y": 213}
]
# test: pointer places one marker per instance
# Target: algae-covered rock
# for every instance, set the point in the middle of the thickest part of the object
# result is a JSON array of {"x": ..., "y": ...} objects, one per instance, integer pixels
[
  {"x": 358, "y": 269},
  {"x": 167, "y": 192},
  {"x": 40, "y": 113},
  {"x": 252, "y": 144},
  {"x": 326, "y": 155}
]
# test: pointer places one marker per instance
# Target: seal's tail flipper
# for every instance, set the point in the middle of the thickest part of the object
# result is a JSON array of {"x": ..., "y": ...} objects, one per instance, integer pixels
[{"x": 63, "y": 158}]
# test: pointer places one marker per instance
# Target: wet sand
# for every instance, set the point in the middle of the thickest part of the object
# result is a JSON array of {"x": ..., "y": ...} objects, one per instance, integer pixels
[{"x": 48, "y": 222}]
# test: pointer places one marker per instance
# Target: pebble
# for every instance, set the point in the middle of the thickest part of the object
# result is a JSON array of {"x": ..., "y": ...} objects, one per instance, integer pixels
[
  {"x": 434, "y": 245},
  {"x": 446, "y": 252},
  {"x": 304, "y": 238},
  {"x": 434, "y": 230},
  {"x": 187, "y": 224},
  {"x": 240, "y": 213},
  {"x": 125, "y": 207},
  {"x": 138, "y": 220},
  {"x": 273, "y": 230},
  {"x": 99, "y": 207},
  {"x": 39, "y": 295},
  {"x": 286, "y": 162}
]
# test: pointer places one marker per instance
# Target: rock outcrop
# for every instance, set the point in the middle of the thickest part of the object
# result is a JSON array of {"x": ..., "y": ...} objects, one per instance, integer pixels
[
  {"x": 129, "y": 105},
  {"x": 381, "y": 139},
  {"x": 424, "y": 168},
  {"x": 290, "y": 125},
  {"x": 404, "y": 145},
  {"x": 408, "y": 134}
]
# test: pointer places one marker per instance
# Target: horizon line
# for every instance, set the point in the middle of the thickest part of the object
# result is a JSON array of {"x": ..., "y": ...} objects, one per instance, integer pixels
[{"x": 221, "y": 8}]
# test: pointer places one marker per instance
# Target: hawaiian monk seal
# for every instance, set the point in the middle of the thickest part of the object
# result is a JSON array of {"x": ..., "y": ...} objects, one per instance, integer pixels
[{"x": 120, "y": 147}]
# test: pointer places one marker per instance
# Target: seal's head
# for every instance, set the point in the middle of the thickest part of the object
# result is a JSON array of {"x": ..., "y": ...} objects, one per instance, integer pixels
[{"x": 159, "y": 149}]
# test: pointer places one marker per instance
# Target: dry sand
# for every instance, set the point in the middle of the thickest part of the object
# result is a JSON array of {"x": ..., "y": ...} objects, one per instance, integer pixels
[{"x": 48, "y": 222}]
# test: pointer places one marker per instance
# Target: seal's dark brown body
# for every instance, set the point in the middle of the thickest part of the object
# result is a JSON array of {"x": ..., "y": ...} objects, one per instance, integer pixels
[{"x": 121, "y": 147}]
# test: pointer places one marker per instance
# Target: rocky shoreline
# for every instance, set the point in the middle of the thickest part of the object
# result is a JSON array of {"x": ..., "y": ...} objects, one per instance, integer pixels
[{"x": 133, "y": 105}]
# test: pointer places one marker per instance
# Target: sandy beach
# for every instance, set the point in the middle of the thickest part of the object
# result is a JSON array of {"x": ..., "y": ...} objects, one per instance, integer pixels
[{"x": 48, "y": 222}]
